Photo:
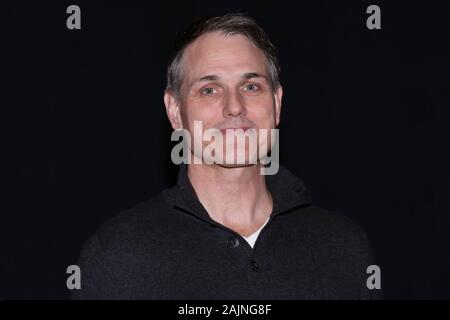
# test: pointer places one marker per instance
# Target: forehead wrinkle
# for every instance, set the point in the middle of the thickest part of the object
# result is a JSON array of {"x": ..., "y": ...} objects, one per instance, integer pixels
[{"x": 213, "y": 54}]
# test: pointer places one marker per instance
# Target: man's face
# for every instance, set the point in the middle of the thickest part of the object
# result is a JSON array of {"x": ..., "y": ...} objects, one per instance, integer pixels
[{"x": 225, "y": 85}]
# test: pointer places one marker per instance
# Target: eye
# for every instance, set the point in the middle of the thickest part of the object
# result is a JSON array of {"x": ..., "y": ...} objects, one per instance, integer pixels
[
  {"x": 208, "y": 91},
  {"x": 252, "y": 87}
]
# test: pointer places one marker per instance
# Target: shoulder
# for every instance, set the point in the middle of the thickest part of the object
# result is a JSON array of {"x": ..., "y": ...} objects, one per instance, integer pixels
[
  {"x": 117, "y": 245},
  {"x": 337, "y": 245},
  {"x": 327, "y": 228},
  {"x": 134, "y": 229},
  {"x": 328, "y": 221}
]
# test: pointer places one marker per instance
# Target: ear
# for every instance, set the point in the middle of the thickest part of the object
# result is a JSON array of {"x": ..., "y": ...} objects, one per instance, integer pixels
[
  {"x": 173, "y": 110},
  {"x": 278, "y": 95}
]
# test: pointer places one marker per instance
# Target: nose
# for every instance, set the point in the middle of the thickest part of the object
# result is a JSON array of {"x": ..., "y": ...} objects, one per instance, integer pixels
[{"x": 234, "y": 105}]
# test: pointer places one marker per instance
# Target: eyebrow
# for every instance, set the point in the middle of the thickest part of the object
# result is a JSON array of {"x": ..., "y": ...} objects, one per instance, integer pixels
[
  {"x": 245, "y": 76},
  {"x": 251, "y": 75}
]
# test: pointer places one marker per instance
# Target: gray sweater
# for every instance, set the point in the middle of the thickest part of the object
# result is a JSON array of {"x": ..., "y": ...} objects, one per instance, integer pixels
[{"x": 169, "y": 248}]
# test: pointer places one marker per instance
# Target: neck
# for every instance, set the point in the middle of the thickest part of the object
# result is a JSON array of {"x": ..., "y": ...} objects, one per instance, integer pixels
[{"x": 234, "y": 197}]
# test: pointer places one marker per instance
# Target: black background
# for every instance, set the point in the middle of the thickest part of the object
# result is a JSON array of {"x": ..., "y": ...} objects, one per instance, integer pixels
[{"x": 364, "y": 123}]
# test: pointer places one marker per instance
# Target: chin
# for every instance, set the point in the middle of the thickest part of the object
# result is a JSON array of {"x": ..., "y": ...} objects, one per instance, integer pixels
[{"x": 236, "y": 165}]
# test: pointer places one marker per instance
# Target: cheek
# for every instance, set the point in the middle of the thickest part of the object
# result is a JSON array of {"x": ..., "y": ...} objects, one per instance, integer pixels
[
  {"x": 197, "y": 112},
  {"x": 264, "y": 101},
  {"x": 262, "y": 114}
]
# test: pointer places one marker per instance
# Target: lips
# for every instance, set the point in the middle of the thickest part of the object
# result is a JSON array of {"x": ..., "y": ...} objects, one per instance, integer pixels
[{"x": 224, "y": 130}]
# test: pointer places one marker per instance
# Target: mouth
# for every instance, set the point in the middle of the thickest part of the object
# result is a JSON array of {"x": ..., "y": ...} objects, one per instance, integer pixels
[{"x": 233, "y": 130}]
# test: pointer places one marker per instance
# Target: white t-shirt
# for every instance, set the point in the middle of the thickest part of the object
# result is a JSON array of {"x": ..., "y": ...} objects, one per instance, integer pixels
[{"x": 251, "y": 239}]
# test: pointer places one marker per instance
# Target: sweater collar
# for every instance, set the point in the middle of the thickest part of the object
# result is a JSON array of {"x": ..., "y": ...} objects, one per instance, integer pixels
[{"x": 288, "y": 192}]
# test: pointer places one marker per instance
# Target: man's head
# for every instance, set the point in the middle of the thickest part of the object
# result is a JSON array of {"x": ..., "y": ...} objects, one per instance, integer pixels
[{"x": 224, "y": 72}]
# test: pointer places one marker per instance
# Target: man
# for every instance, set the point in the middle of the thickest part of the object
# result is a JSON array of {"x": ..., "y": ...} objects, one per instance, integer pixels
[{"x": 226, "y": 231}]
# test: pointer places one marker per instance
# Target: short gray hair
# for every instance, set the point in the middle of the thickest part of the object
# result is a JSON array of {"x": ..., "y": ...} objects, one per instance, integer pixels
[{"x": 229, "y": 24}]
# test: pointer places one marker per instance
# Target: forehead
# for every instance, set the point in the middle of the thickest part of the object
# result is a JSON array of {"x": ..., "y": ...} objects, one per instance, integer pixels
[{"x": 218, "y": 53}]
